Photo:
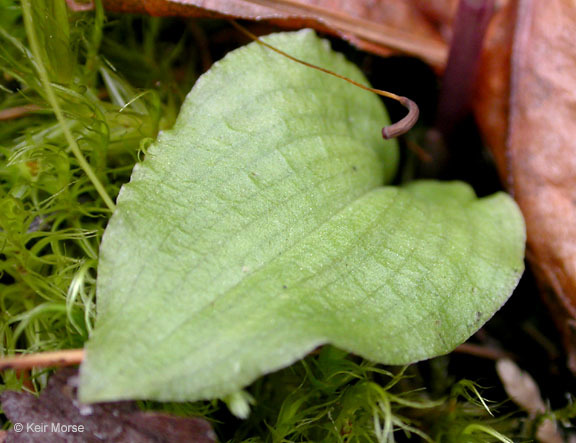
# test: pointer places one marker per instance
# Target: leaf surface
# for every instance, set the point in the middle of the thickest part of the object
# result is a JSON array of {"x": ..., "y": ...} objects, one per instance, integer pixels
[{"x": 259, "y": 228}]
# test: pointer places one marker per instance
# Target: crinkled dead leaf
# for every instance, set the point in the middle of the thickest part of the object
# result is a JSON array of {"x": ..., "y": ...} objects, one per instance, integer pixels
[
  {"x": 542, "y": 145},
  {"x": 491, "y": 101},
  {"x": 524, "y": 391},
  {"x": 520, "y": 386},
  {"x": 378, "y": 27},
  {"x": 531, "y": 131},
  {"x": 259, "y": 228},
  {"x": 440, "y": 13},
  {"x": 57, "y": 406}
]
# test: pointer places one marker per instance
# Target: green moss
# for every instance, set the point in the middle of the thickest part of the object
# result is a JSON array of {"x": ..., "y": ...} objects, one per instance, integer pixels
[{"x": 51, "y": 213}]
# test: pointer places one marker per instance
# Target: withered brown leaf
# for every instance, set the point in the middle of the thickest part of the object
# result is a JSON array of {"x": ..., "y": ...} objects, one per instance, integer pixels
[
  {"x": 46, "y": 418},
  {"x": 377, "y": 27},
  {"x": 526, "y": 106},
  {"x": 542, "y": 146}
]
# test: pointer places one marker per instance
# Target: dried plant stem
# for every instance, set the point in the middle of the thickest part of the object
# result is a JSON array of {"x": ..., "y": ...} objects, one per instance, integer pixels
[
  {"x": 390, "y": 131},
  {"x": 53, "y": 100},
  {"x": 470, "y": 25},
  {"x": 483, "y": 351},
  {"x": 67, "y": 357},
  {"x": 17, "y": 112},
  {"x": 70, "y": 357}
]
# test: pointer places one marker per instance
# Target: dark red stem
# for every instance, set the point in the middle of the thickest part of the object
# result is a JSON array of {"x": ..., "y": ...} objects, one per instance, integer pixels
[{"x": 470, "y": 25}]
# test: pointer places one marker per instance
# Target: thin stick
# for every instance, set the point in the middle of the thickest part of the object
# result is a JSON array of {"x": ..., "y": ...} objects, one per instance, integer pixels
[
  {"x": 18, "y": 111},
  {"x": 394, "y": 130},
  {"x": 67, "y": 357},
  {"x": 483, "y": 351}
]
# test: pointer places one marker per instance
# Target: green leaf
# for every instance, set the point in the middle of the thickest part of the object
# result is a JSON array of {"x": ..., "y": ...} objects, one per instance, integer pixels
[{"x": 259, "y": 228}]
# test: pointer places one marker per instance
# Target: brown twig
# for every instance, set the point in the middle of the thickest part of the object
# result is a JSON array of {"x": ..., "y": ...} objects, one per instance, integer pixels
[
  {"x": 17, "y": 112},
  {"x": 483, "y": 351},
  {"x": 422, "y": 155},
  {"x": 67, "y": 357}
]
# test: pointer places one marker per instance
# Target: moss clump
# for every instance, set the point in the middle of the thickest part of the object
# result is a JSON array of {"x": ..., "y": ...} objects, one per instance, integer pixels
[{"x": 73, "y": 128}]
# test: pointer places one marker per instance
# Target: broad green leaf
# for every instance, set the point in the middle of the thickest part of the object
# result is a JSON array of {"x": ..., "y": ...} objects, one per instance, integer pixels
[{"x": 259, "y": 228}]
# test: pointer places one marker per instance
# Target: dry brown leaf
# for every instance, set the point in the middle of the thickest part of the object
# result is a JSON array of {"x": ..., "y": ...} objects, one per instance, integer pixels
[
  {"x": 373, "y": 25},
  {"x": 538, "y": 158},
  {"x": 41, "y": 418},
  {"x": 440, "y": 13},
  {"x": 524, "y": 391},
  {"x": 526, "y": 107},
  {"x": 520, "y": 387},
  {"x": 542, "y": 145},
  {"x": 491, "y": 102}
]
